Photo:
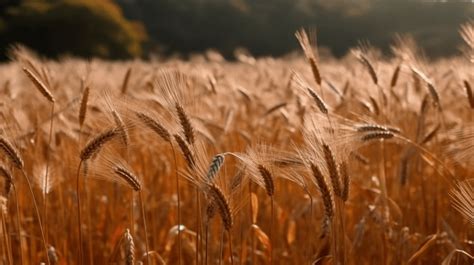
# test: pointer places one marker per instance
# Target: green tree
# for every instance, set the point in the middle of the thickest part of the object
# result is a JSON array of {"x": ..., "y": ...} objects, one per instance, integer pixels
[{"x": 79, "y": 27}]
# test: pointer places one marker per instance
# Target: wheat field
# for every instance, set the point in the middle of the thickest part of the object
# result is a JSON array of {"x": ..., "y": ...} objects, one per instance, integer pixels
[{"x": 304, "y": 159}]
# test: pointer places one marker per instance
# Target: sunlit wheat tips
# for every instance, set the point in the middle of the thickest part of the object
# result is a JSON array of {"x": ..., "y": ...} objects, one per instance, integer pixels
[{"x": 307, "y": 47}]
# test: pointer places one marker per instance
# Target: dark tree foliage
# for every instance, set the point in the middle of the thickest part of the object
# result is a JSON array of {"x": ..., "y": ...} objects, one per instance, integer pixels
[
  {"x": 266, "y": 27},
  {"x": 79, "y": 27}
]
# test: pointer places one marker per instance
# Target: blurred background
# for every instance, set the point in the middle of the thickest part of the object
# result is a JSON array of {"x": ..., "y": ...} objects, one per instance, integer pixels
[{"x": 121, "y": 29}]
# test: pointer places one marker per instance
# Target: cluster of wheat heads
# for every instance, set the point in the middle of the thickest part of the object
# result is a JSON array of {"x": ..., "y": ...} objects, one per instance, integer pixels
[{"x": 361, "y": 160}]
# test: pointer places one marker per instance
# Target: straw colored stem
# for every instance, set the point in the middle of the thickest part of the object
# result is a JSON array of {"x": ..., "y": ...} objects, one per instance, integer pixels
[
  {"x": 35, "y": 205},
  {"x": 147, "y": 247}
]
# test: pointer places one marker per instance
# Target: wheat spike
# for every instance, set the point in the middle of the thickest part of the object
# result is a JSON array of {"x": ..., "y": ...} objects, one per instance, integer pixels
[
  {"x": 469, "y": 94},
  {"x": 375, "y": 127},
  {"x": 332, "y": 168},
  {"x": 188, "y": 156},
  {"x": 129, "y": 246},
  {"x": 267, "y": 179},
  {"x": 346, "y": 180},
  {"x": 305, "y": 44},
  {"x": 154, "y": 126},
  {"x": 12, "y": 154},
  {"x": 125, "y": 80},
  {"x": 396, "y": 73},
  {"x": 122, "y": 131},
  {"x": 222, "y": 204},
  {"x": 376, "y": 136},
  {"x": 7, "y": 176},
  {"x": 128, "y": 177},
  {"x": 216, "y": 164},
  {"x": 39, "y": 85},
  {"x": 188, "y": 130},
  {"x": 365, "y": 61},
  {"x": 319, "y": 101},
  {"x": 328, "y": 201},
  {"x": 96, "y": 143},
  {"x": 83, "y": 108}
]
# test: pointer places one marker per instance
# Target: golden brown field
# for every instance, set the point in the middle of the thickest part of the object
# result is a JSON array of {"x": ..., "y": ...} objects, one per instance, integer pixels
[{"x": 297, "y": 160}]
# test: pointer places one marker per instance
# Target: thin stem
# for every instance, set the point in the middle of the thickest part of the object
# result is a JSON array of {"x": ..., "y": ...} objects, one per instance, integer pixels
[
  {"x": 37, "y": 214},
  {"x": 207, "y": 236},
  {"x": 5, "y": 244},
  {"x": 221, "y": 252},
  {"x": 198, "y": 224},
  {"x": 383, "y": 184},
  {"x": 179, "y": 208},
  {"x": 310, "y": 222},
  {"x": 89, "y": 223},
  {"x": 132, "y": 213},
  {"x": 271, "y": 229},
  {"x": 147, "y": 247},
  {"x": 230, "y": 247},
  {"x": 45, "y": 184},
  {"x": 252, "y": 238},
  {"x": 15, "y": 193},
  {"x": 79, "y": 218}
]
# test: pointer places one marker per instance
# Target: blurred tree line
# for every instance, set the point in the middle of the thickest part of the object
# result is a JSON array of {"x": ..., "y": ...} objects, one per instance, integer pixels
[
  {"x": 78, "y": 27},
  {"x": 105, "y": 28},
  {"x": 266, "y": 27}
]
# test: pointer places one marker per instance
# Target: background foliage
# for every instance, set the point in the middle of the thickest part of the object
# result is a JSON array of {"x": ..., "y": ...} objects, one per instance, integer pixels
[{"x": 265, "y": 27}]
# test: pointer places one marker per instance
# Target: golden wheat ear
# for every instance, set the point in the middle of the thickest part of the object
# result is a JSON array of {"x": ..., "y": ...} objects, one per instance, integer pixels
[
  {"x": 96, "y": 143},
  {"x": 83, "y": 107},
  {"x": 42, "y": 88}
]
